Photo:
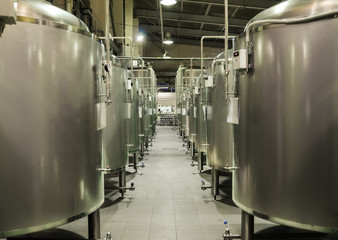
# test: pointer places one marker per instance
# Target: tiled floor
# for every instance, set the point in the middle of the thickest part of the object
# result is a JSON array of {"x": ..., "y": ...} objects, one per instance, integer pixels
[{"x": 168, "y": 203}]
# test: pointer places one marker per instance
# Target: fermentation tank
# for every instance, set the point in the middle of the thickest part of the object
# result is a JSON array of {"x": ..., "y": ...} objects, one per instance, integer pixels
[
  {"x": 201, "y": 127},
  {"x": 115, "y": 134},
  {"x": 133, "y": 115},
  {"x": 220, "y": 133},
  {"x": 50, "y": 148},
  {"x": 193, "y": 74},
  {"x": 179, "y": 90},
  {"x": 286, "y": 141}
]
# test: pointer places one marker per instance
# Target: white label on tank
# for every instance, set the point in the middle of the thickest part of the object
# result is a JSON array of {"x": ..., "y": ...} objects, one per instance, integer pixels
[
  {"x": 150, "y": 111},
  {"x": 129, "y": 110},
  {"x": 196, "y": 90},
  {"x": 195, "y": 112},
  {"x": 233, "y": 112},
  {"x": 183, "y": 111},
  {"x": 204, "y": 112},
  {"x": 209, "y": 82},
  {"x": 129, "y": 84},
  {"x": 101, "y": 113},
  {"x": 140, "y": 112},
  {"x": 179, "y": 111}
]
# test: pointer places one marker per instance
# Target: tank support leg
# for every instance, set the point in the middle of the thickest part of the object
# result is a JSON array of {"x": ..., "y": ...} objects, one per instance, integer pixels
[
  {"x": 201, "y": 157},
  {"x": 247, "y": 231},
  {"x": 122, "y": 181},
  {"x": 135, "y": 161},
  {"x": 192, "y": 149},
  {"x": 142, "y": 150},
  {"x": 94, "y": 231},
  {"x": 214, "y": 182},
  {"x": 146, "y": 144}
]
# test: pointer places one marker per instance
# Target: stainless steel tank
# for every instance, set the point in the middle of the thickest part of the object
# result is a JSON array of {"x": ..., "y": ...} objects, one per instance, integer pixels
[
  {"x": 152, "y": 103},
  {"x": 193, "y": 74},
  {"x": 220, "y": 133},
  {"x": 286, "y": 139},
  {"x": 201, "y": 127},
  {"x": 115, "y": 134},
  {"x": 50, "y": 143},
  {"x": 179, "y": 90},
  {"x": 141, "y": 76},
  {"x": 133, "y": 115}
]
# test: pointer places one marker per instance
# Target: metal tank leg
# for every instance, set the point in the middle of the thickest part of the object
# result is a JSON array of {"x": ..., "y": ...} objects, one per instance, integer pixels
[
  {"x": 94, "y": 229},
  {"x": 146, "y": 144},
  {"x": 135, "y": 161},
  {"x": 247, "y": 231},
  {"x": 142, "y": 150},
  {"x": 214, "y": 182},
  {"x": 192, "y": 149},
  {"x": 200, "y": 161},
  {"x": 122, "y": 181}
]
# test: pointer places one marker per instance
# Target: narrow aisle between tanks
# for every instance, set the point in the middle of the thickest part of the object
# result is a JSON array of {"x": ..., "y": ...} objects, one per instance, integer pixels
[{"x": 168, "y": 202}]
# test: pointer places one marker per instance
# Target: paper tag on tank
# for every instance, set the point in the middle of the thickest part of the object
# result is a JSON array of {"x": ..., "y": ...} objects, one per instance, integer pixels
[
  {"x": 101, "y": 111},
  {"x": 233, "y": 111}
]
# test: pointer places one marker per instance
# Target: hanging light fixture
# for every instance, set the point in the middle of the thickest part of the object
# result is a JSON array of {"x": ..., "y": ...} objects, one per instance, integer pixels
[
  {"x": 168, "y": 2},
  {"x": 166, "y": 54},
  {"x": 168, "y": 40}
]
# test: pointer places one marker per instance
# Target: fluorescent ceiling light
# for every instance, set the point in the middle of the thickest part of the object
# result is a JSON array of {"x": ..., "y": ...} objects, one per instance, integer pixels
[
  {"x": 168, "y": 40},
  {"x": 140, "y": 37},
  {"x": 168, "y": 2}
]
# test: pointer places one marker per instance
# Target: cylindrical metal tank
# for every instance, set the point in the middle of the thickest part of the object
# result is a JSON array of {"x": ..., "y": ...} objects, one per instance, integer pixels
[
  {"x": 115, "y": 134},
  {"x": 50, "y": 143},
  {"x": 220, "y": 133},
  {"x": 201, "y": 126},
  {"x": 286, "y": 141},
  {"x": 133, "y": 115},
  {"x": 178, "y": 91},
  {"x": 193, "y": 73}
]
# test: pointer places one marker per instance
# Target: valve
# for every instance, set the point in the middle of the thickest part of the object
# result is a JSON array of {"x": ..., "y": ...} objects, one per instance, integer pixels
[
  {"x": 203, "y": 187},
  {"x": 108, "y": 236},
  {"x": 227, "y": 235}
]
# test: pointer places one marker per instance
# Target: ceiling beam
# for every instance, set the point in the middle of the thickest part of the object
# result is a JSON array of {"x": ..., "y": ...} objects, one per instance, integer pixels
[
  {"x": 193, "y": 42},
  {"x": 257, "y": 4},
  {"x": 233, "y": 22},
  {"x": 183, "y": 31}
]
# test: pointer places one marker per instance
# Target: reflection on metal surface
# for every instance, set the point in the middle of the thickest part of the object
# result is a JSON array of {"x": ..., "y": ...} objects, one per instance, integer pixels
[
  {"x": 50, "y": 146},
  {"x": 288, "y": 115}
]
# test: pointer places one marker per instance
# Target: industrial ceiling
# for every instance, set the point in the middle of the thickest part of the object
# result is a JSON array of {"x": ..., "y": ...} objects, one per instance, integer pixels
[{"x": 189, "y": 20}]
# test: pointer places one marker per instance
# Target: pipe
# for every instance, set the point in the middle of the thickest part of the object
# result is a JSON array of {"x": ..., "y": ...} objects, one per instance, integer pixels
[
  {"x": 108, "y": 83},
  {"x": 281, "y": 21},
  {"x": 131, "y": 53},
  {"x": 161, "y": 19},
  {"x": 213, "y": 66},
  {"x": 226, "y": 46},
  {"x": 173, "y": 59}
]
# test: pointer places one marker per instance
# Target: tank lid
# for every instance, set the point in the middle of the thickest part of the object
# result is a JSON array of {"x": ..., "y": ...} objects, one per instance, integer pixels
[
  {"x": 296, "y": 8},
  {"x": 40, "y": 9}
]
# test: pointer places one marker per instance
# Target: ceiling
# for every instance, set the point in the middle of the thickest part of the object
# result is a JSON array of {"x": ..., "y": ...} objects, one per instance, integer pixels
[{"x": 189, "y": 20}]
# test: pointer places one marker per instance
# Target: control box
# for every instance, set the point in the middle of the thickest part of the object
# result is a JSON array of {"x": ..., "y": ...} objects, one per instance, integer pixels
[{"x": 240, "y": 60}]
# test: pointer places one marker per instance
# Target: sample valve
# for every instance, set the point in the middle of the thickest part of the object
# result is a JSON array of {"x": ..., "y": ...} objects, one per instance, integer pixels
[
  {"x": 227, "y": 235},
  {"x": 203, "y": 187}
]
